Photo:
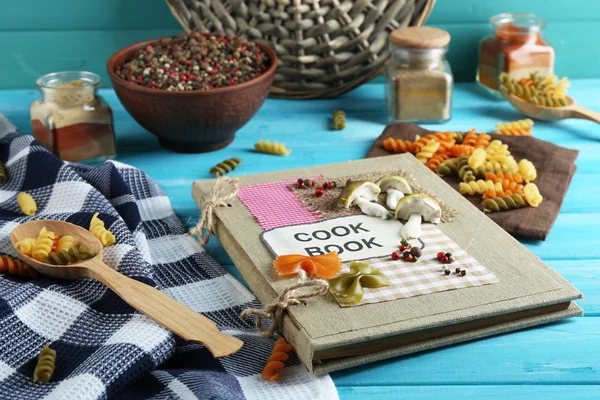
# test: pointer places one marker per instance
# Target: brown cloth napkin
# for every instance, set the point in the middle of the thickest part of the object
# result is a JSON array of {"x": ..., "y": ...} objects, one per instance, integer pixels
[{"x": 555, "y": 167}]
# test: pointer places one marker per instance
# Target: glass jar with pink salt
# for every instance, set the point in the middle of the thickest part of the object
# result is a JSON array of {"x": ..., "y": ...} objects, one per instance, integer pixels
[{"x": 71, "y": 120}]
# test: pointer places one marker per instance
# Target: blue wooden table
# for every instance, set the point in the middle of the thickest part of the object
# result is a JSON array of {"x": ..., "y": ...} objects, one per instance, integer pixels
[{"x": 558, "y": 361}]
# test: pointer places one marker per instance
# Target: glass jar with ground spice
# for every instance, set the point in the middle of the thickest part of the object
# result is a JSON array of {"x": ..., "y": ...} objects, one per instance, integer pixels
[
  {"x": 71, "y": 120},
  {"x": 516, "y": 47},
  {"x": 420, "y": 80}
]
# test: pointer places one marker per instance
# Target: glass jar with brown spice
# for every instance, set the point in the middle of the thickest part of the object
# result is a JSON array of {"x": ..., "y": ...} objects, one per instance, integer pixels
[
  {"x": 71, "y": 120},
  {"x": 420, "y": 81},
  {"x": 515, "y": 47}
]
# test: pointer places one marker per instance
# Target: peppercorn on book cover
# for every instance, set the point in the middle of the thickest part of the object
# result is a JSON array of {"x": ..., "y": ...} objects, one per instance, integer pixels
[{"x": 411, "y": 264}]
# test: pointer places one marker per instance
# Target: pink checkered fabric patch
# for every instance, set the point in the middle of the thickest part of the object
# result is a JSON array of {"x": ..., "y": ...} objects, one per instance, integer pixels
[{"x": 274, "y": 204}]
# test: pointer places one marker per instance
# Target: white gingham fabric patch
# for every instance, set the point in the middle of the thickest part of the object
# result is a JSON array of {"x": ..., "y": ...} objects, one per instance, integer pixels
[{"x": 426, "y": 276}]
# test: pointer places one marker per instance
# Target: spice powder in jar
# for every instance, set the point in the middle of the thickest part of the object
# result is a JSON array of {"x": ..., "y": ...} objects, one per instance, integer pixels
[
  {"x": 516, "y": 48},
  {"x": 420, "y": 80},
  {"x": 71, "y": 120}
]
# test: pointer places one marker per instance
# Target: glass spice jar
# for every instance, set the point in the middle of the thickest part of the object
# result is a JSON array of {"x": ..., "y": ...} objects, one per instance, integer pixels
[
  {"x": 516, "y": 47},
  {"x": 71, "y": 120},
  {"x": 419, "y": 79}
]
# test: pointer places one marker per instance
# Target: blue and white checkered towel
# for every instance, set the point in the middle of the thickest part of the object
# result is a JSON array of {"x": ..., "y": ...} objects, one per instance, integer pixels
[{"x": 104, "y": 348}]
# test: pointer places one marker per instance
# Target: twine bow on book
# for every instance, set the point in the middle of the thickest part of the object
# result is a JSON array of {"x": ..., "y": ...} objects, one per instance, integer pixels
[
  {"x": 290, "y": 296},
  {"x": 223, "y": 190}
]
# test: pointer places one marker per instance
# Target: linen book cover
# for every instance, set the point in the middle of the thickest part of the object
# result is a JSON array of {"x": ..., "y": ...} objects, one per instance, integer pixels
[{"x": 505, "y": 287}]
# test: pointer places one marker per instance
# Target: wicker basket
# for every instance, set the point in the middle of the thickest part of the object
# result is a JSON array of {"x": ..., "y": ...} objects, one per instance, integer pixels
[{"x": 325, "y": 47}]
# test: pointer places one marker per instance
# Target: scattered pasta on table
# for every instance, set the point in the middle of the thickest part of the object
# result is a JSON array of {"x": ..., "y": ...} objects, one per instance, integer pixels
[
  {"x": 26, "y": 203},
  {"x": 225, "y": 166},
  {"x": 272, "y": 148},
  {"x": 339, "y": 119},
  {"x": 46, "y": 365}
]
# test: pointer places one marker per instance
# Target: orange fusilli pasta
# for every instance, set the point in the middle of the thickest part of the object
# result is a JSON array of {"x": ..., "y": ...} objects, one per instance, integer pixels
[
  {"x": 274, "y": 363},
  {"x": 398, "y": 146},
  {"x": 16, "y": 267}
]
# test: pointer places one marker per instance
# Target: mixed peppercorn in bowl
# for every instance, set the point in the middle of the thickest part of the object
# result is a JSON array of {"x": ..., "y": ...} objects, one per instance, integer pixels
[{"x": 193, "y": 91}]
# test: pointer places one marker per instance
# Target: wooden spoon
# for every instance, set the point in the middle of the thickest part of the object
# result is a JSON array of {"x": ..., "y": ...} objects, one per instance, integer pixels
[
  {"x": 164, "y": 310},
  {"x": 572, "y": 110}
]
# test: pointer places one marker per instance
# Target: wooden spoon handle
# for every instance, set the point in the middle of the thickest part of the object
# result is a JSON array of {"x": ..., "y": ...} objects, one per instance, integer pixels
[
  {"x": 164, "y": 310},
  {"x": 586, "y": 113}
]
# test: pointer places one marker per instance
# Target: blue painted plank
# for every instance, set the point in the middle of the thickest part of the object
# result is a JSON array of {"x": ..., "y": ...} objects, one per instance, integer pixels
[
  {"x": 559, "y": 353},
  {"x": 461, "y": 392}
]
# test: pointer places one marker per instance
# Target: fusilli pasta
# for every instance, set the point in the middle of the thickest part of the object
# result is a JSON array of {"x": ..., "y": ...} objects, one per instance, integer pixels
[
  {"x": 437, "y": 159},
  {"x": 461, "y": 150},
  {"x": 545, "y": 91},
  {"x": 446, "y": 168},
  {"x": 274, "y": 363},
  {"x": 503, "y": 203},
  {"x": 495, "y": 176},
  {"x": 26, "y": 245},
  {"x": 272, "y": 148},
  {"x": 26, "y": 203},
  {"x": 427, "y": 152},
  {"x": 46, "y": 365},
  {"x": 478, "y": 187},
  {"x": 477, "y": 158},
  {"x": 65, "y": 243},
  {"x": 398, "y": 146},
  {"x": 16, "y": 267},
  {"x": 225, "y": 166},
  {"x": 465, "y": 173},
  {"x": 43, "y": 245},
  {"x": 97, "y": 228},
  {"x": 532, "y": 195},
  {"x": 339, "y": 119},
  {"x": 73, "y": 255},
  {"x": 527, "y": 170}
]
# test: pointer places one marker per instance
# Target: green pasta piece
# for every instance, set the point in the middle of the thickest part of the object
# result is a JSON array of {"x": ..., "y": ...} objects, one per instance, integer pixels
[
  {"x": 349, "y": 287},
  {"x": 3, "y": 176},
  {"x": 225, "y": 166},
  {"x": 465, "y": 173},
  {"x": 481, "y": 170},
  {"x": 503, "y": 203},
  {"x": 459, "y": 137},
  {"x": 73, "y": 255},
  {"x": 447, "y": 167},
  {"x": 46, "y": 365},
  {"x": 339, "y": 119}
]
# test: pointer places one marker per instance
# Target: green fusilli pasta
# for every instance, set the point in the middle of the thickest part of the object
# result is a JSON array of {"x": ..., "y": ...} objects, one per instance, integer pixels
[
  {"x": 73, "y": 255},
  {"x": 465, "y": 173},
  {"x": 45, "y": 366},
  {"x": 503, "y": 203},
  {"x": 339, "y": 119},
  {"x": 446, "y": 168},
  {"x": 225, "y": 166}
]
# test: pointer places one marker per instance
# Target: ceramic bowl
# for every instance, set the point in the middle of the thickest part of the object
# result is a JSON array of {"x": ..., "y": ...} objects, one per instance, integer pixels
[{"x": 193, "y": 121}]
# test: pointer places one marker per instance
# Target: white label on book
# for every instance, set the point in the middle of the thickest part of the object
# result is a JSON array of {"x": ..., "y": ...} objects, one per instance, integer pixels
[{"x": 355, "y": 237}]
